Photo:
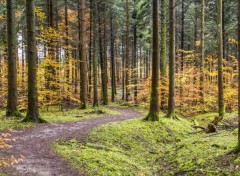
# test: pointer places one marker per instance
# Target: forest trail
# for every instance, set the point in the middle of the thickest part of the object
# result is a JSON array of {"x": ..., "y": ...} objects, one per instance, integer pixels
[{"x": 35, "y": 144}]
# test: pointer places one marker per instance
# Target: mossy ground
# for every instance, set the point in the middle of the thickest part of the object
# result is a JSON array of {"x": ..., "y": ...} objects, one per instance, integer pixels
[
  {"x": 53, "y": 115},
  {"x": 167, "y": 147}
]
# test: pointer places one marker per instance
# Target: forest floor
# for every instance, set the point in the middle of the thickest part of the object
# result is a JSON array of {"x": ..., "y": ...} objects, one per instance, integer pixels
[
  {"x": 96, "y": 146},
  {"x": 35, "y": 144},
  {"x": 164, "y": 148}
]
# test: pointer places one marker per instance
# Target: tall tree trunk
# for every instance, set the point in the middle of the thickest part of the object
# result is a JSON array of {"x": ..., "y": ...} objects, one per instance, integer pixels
[
  {"x": 83, "y": 54},
  {"x": 113, "y": 80},
  {"x": 154, "y": 102},
  {"x": 105, "y": 71},
  {"x": 135, "y": 66},
  {"x": 90, "y": 48},
  {"x": 220, "y": 62},
  {"x": 163, "y": 54},
  {"x": 67, "y": 63},
  {"x": 127, "y": 64},
  {"x": 202, "y": 54},
  {"x": 123, "y": 69},
  {"x": 238, "y": 147},
  {"x": 171, "y": 98},
  {"x": 12, "y": 101},
  {"x": 102, "y": 59},
  {"x": 32, "y": 110},
  {"x": 95, "y": 58}
]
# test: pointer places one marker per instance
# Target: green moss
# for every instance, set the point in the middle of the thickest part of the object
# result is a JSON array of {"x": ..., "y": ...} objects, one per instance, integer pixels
[
  {"x": 166, "y": 147},
  {"x": 132, "y": 147}
]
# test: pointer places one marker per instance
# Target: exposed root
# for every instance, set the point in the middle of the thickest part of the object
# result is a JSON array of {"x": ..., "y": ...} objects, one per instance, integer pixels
[
  {"x": 152, "y": 117},
  {"x": 172, "y": 116},
  {"x": 212, "y": 126}
]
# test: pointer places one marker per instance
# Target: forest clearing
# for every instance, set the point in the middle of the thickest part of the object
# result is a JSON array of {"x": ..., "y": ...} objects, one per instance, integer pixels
[{"x": 119, "y": 87}]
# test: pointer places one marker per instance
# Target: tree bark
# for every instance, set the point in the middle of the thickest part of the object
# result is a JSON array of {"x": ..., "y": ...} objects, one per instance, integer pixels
[
  {"x": 32, "y": 110},
  {"x": 12, "y": 100},
  {"x": 154, "y": 102},
  {"x": 113, "y": 80},
  {"x": 238, "y": 147},
  {"x": 83, "y": 55},
  {"x": 127, "y": 59},
  {"x": 163, "y": 54},
  {"x": 202, "y": 54},
  {"x": 221, "y": 110},
  {"x": 171, "y": 98}
]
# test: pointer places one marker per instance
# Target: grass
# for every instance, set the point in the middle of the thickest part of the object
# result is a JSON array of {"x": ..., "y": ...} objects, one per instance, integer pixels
[
  {"x": 55, "y": 116},
  {"x": 168, "y": 147}
]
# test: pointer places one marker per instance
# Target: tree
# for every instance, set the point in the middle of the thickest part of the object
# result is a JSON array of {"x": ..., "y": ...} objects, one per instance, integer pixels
[
  {"x": 171, "y": 96},
  {"x": 103, "y": 59},
  {"x": 154, "y": 102},
  {"x": 202, "y": 54},
  {"x": 112, "y": 36},
  {"x": 163, "y": 53},
  {"x": 83, "y": 55},
  {"x": 127, "y": 59},
  {"x": 32, "y": 109},
  {"x": 221, "y": 109},
  {"x": 238, "y": 147},
  {"x": 12, "y": 99},
  {"x": 135, "y": 69}
]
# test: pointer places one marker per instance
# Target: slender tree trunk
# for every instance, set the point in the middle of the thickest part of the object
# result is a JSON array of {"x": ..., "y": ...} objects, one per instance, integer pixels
[
  {"x": 67, "y": 63},
  {"x": 238, "y": 147},
  {"x": 127, "y": 64},
  {"x": 90, "y": 48},
  {"x": 220, "y": 62},
  {"x": 32, "y": 110},
  {"x": 113, "y": 80},
  {"x": 154, "y": 102},
  {"x": 163, "y": 54},
  {"x": 95, "y": 58},
  {"x": 102, "y": 60},
  {"x": 123, "y": 69},
  {"x": 135, "y": 66},
  {"x": 105, "y": 71},
  {"x": 202, "y": 54},
  {"x": 12, "y": 101},
  {"x": 171, "y": 98},
  {"x": 83, "y": 54}
]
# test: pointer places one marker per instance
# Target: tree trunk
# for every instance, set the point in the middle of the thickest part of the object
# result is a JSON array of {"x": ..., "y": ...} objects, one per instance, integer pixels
[
  {"x": 220, "y": 62},
  {"x": 12, "y": 101},
  {"x": 163, "y": 54},
  {"x": 171, "y": 98},
  {"x": 102, "y": 60},
  {"x": 67, "y": 63},
  {"x": 154, "y": 102},
  {"x": 32, "y": 110},
  {"x": 83, "y": 54},
  {"x": 135, "y": 66},
  {"x": 202, "y": 54},
  {"x": 127, "y": 64},
  {"x": 113, "y": 80},
  {"x": 238, "y": 147}
]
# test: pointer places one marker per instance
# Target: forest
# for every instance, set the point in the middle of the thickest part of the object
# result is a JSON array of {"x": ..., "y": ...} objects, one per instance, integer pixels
[{"x": 120, "y": 87}]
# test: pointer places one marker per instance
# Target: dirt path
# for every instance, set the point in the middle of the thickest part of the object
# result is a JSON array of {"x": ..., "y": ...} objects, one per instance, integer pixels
[{"x": 35, "y": 145}]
